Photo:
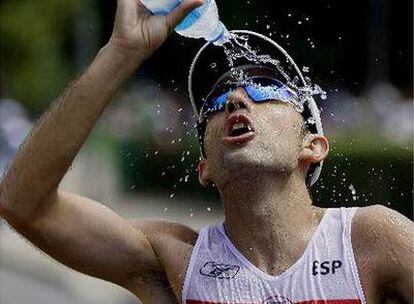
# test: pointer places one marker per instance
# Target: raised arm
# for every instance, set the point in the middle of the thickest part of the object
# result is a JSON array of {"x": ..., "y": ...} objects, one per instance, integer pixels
[{"x": 81, "y": 233}]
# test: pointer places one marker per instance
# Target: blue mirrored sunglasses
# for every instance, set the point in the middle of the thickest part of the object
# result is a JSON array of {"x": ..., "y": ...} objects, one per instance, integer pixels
[{"x": 259, "y": 89}]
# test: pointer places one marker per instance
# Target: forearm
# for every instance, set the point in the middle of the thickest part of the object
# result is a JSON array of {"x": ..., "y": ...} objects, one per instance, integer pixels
[{"x": 48, "y": 151}]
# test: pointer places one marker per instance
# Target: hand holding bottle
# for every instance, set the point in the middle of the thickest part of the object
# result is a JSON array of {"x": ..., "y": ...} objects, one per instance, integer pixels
[{"x": 137, "y": 33}]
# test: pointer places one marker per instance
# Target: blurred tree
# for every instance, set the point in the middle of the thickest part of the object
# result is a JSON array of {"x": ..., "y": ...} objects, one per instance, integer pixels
[
  {"x": 44, "y": 43},
  {"x": 36, "y": 49}
]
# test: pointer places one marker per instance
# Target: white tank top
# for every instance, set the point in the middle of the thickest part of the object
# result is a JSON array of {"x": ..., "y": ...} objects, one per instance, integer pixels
[{"x": 326, "y": 273}]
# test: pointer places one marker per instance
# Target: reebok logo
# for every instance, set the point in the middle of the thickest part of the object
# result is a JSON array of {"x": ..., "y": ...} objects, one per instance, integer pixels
[{"x": 219, "y": 271}]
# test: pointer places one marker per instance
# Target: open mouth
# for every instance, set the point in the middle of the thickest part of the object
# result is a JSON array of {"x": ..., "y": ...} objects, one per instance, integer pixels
[{"x": 239, "y": 129}]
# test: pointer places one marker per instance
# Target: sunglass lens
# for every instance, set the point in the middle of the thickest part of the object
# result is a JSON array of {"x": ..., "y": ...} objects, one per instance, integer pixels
[
  {"x": 216, "y": 104},
  {"x": 262, "y": 93}
]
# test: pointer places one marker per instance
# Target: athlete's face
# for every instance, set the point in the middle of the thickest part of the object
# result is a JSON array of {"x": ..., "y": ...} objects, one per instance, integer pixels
[{"x": 271, "y": 139}]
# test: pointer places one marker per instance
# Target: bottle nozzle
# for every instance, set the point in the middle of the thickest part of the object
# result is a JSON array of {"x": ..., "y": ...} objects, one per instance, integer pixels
[{"x": 223, "y": 35}]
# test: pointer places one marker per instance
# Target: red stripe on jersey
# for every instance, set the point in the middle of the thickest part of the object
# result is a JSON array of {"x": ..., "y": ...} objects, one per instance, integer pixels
[
  {"x": 344, "y": 301},
  {"x": 207, "y": 302}
]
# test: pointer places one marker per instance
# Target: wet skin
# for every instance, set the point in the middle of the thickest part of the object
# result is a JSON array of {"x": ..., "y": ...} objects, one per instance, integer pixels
[
  {"x": 369, "y": 227},
  {"x": 150, "y": 258},
  {"x": 261, "y": 183},
  {"x": 173, "y": 244}
]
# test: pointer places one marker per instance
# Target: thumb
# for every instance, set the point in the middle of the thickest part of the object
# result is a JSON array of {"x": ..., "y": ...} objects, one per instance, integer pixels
[{"x": 178, "y": 14}]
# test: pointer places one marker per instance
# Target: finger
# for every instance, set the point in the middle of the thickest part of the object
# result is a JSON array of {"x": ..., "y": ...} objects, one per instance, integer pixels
[{"x": 178, "y": 14}]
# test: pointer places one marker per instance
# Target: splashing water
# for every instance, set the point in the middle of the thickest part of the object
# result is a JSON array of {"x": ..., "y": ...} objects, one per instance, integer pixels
[
  {"x": 353, "y": 192},
  {"x": 237, "y": 46}
]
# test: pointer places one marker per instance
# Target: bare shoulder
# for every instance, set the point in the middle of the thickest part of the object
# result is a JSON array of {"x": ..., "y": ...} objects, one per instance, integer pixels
[
  {"x": 382, "y": 241},
  {"x": 378, "y": 225}
]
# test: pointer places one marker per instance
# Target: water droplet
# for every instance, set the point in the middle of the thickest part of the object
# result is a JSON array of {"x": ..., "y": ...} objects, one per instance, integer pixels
[{"x": 353, "y": 192}]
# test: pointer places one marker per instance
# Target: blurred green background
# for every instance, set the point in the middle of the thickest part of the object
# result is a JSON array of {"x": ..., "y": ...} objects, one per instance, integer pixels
[{"x": 359, "y": 51}]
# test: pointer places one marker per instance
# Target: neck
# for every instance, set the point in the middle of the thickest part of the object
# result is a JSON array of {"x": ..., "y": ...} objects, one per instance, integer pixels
[{"x": 269, "y": 218}]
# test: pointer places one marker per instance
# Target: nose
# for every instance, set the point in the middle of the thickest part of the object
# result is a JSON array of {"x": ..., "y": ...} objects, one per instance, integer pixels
[{"x": 238, "y": 100}]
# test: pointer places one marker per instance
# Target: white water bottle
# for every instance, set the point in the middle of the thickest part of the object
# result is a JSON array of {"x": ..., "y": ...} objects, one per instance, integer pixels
[{"x": 202, "y": 22}]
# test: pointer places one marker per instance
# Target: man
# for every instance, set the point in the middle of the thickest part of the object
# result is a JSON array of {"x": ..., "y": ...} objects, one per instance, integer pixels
[{"x": 274, "y": 247}]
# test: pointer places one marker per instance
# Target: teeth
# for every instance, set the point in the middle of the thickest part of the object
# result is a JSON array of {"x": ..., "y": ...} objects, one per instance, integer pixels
[{"x": 239, "y": 125}]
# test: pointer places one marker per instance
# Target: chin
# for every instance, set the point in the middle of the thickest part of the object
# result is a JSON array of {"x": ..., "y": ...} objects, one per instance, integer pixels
[
  {"x": 253, "y": 158},
  {"x": 245, "y": 158}
]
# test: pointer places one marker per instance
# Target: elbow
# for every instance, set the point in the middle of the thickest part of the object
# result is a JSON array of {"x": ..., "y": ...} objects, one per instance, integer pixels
[
  {"x": 18, "y": 210},
  {"x": 8, "y": 214},
  {"x": 2, "y": 201},
  {"x": 5, "y": 210},
  {"x": 11, "y": 212}
]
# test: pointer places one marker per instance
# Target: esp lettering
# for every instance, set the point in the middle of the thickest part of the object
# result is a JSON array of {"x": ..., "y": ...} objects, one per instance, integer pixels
[{"x": 325, "y": 267}]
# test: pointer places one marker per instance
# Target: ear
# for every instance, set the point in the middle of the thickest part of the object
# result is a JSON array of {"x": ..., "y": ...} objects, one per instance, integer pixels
[
  {"x": 203, "y": 173},
  {"x": 315, "y": 148}
]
